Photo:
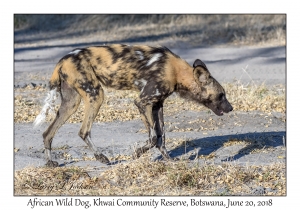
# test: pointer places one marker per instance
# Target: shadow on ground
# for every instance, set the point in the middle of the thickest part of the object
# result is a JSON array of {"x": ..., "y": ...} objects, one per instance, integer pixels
[{"x": 209, "y": 145}]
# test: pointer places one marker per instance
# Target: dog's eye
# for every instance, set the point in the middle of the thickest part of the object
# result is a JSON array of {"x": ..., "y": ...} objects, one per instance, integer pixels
[{"x": 221, "y": 95}]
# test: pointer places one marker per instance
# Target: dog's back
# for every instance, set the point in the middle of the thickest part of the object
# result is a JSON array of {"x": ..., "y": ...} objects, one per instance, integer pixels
[{"x": 121, "y": 67}]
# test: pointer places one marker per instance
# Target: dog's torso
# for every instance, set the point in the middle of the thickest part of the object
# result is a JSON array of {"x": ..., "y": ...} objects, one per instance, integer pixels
[{"x": 123, "y": 67}]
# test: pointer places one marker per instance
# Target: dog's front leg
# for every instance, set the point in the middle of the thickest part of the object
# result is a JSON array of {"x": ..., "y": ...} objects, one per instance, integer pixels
[
  {"x": 160, "y": 129},
  {"x": 152, "y": 115},
  {"x": 146, "y": 115}
]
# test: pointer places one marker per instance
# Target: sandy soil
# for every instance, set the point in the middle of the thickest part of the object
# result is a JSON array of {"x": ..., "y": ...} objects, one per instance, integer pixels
[{"x": 262, "y": 135}]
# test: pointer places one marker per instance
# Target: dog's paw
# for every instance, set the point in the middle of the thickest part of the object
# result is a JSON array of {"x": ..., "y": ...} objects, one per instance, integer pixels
[
  {"x": 102, "y": 158},
  {"x": 52, "y": 164}
]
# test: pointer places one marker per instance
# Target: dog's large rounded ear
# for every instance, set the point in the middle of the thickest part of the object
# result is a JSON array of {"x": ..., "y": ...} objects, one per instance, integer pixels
[
  {"x": 199, "y": 63},
  {"x": 201, "y": 75}
]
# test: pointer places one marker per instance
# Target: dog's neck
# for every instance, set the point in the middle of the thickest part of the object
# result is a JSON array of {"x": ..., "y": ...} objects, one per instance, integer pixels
[{"x": 185, "y": 80}]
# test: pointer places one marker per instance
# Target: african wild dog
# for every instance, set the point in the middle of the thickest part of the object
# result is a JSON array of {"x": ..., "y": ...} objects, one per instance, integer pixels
[{"x": 154, "y": 71}]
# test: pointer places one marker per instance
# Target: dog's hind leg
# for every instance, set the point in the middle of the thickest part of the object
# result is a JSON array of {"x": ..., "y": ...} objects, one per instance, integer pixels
[
  {"x": 93, "y": 99},
  {"x": 70, "y": 101}
]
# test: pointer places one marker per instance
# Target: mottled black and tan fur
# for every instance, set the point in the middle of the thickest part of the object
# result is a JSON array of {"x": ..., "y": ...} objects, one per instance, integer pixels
[{"x": 155, "y": 72}]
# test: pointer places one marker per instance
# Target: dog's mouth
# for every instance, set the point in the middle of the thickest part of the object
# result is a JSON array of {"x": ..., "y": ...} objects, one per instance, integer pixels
[
  {"x": 215, "y": 109},
  {"x": 218, "y": 112},
  {"x": 221, "y": 113}
]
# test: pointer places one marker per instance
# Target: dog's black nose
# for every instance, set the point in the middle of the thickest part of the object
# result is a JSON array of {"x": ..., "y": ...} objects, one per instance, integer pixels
[{"x": 229, "y": 107}]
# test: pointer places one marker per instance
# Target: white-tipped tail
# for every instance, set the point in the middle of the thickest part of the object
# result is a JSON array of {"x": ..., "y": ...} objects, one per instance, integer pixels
[{"x": 48, "y": 108}]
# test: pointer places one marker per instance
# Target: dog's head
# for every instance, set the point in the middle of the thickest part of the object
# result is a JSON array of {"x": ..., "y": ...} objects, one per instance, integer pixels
[{"x": 210, "y": 93}]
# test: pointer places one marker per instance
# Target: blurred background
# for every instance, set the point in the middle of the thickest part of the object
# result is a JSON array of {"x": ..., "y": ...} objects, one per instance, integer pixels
[{"x": 174, "y": 31}]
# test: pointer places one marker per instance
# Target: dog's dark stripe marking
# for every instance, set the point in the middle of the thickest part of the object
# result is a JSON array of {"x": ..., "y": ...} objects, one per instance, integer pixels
[
  {"x": 123, "y": 55},
  {"x": 63, "y": 75},
  {"x": 155, "y": 50},
  {"x": 87, "y": 54},
  {"x": 77, "y": 62},
  {"x": 98, "y": 60},
  {"x": 115, "y": 56}
]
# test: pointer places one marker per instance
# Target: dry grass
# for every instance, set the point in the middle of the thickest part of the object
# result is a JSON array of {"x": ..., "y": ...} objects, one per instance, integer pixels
[
  {"x": 119, "y": 105},
  {"x": 178, "y": 30},
  {"x": 144, "y": 177},
  {"x": 256, "y": 97}
]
